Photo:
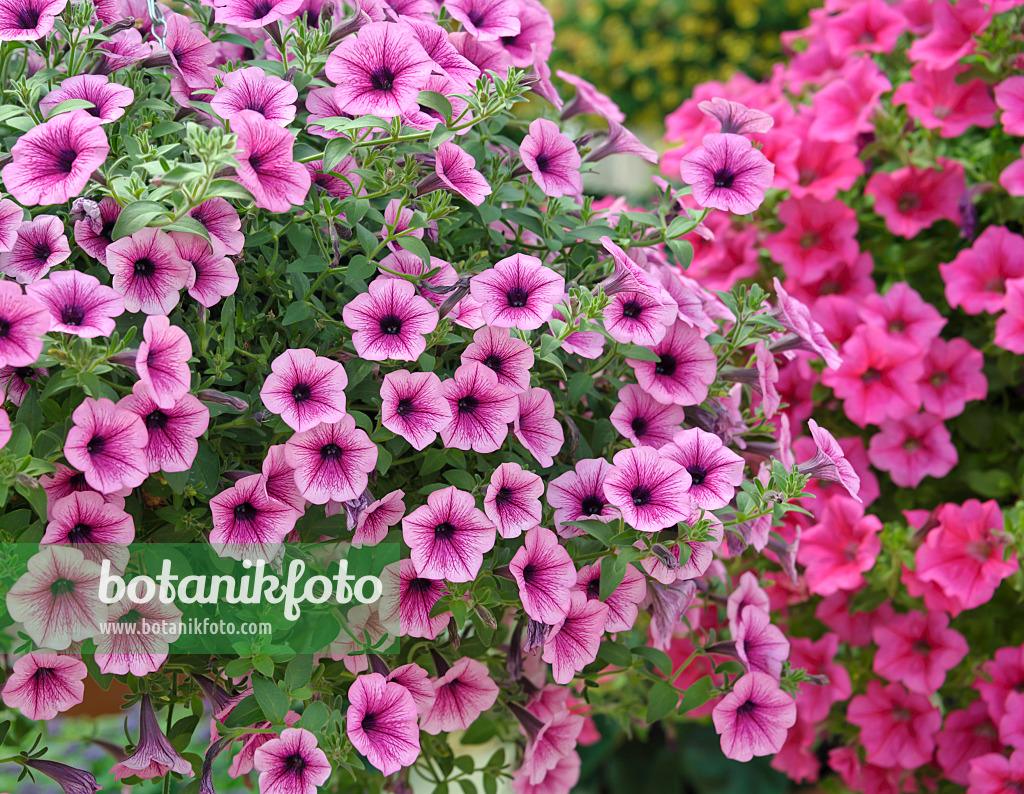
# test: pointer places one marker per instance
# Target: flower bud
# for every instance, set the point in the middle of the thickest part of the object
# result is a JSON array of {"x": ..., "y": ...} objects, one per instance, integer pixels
[{"x": 220, "y": 398}]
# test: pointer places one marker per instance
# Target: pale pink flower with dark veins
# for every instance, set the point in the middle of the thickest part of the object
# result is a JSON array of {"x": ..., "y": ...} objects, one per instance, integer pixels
[
  {"x": 331, "y": 461},
  {"x": 147, "y": 271},
  {"x": 518, "y": 292},
  {"x": 248, "y": 523},
  {"x": 761, "y": 646},
  {"x": 754, "y": 718},
  {"x": 625, "y": 599},
  {"x": 728, "y": 173},
  {"x": 448, "y": 536},
  {"x": 305, "y": 389},
  {"x": 545, "y": 574},
  {"x": 463, "y": 693},
  {"x": 389, "y": 321},
  {"x": 536, "y": 426},
  {"x": 509, "y": 357},
  {"x": 715, "y": 470},
  {"x": 644, "y": 421},
  {"x": 651, "y": 491},
  {"x": 408, "y": 599},
  {"x": 23, "y": 321},
  {"x": 100, "y": 530},
  {"x": 578, "y": 495},
  {"x": 253, "y": 89},
  {"x": 552, "y": 159},
  {"x": 28, "y": 20},
  {"x": 481, "y": 409},
  {"x": 173, "y": 432},
  {"x": 685, "y": 368},
  {"x": 381, "y": 722},
  {"x": 373, "y": 523},
  {"x": 413, "y": 406},
  {"x": 486, "y": 20},
  {"x": 109, "y": 99},
  {"x": 512, "y": 500},
  {"x": 78, "y": 303},
  {"x": 266, "y": 167},
  {"x": 107, "y": 443},
  {"x": 40, "y": 244},
  {"x": 143, "y": 650},
  {"x": 162, "y": 361},
  {"x": 57, "y": 599},
  {"x": 574, "y": 640},
  {"x": 45, "y": 684}
]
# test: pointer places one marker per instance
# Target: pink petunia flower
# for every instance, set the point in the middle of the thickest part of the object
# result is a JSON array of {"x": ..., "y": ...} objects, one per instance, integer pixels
[
  {"x": 172, "y": 432},
  {"x": 78, "y": 304},
  {"x": 447, "y": 60},
  {"x": 643, "y": 420},
  {"x": 574, "y": 640},
  {"x": 1004, "y": 675},
  {"x": 305, "y": 389},
  {"x": 448, "y": 536},
  {"x": 332, "y": 461},
  {"x": 11, "y": 218},
  {"x": 804, "y": 332},
  {"x": 162, "y": 361},
  {"x": 291, "y": 764},
  {"x": 379, "y": 71},
  {"x": 639, "y": 318},
  {"x": 40, "y": 244},
  {"x": 28, "y": 20},
  {"x": 109, "y": 99},
  {"x": 481, "y": 409},
  {"x": 222, "y": 223},
  {"x": 939, "y": 101},
  {"x": 814, "y": 701},
  {"x": 951, "y": 34},
  {"x": 838, "y": 550},
  {"x": 872, "y": 26},
  {"x": 147, "y": 271},
  {"x": 455, "y": 170},
  {"x": 45, "y": 684},
  {"x": 966, "y": 735},
  {"x": 589, "y": 100},
  {"x": 213, "y": 275},
  {"x": 381, "y": 722},
  {"x": 142, "y": 650},
  {"x": 816, "y": 236},
  {"x": 912, "y": 448},
  {"x": 761, "y": 647},
  {"x": 735, "y": 117},
  {"x": 253, "y": 89},
  {"x": 191, "y": 53},
  {"x": 408, "y": 599},
  {"x": 747, "y": 592},
  {"x": 53, "y": 161},
  {"x": 518, "y": 292},
  {"x": 463, "y": 693},
  {"x": 963, "y": 555},
  {"x": 389, "y": 321},
  {"x": 685, "y": 368},
  {"x": 254, "y": 13},
  {"x": 1009, "y": 327},
  {"x": 545, "y": 574},
  {"x": 107, "y": 444},
  {"x": 917, "y": 650},
  {"x": 536, "y": 427},
  {"x": 413, "y": 406},
  {"x": 248, "y": 523},
  {"x": 623, "y": 603},
  {"x": 578, "y": 495},
  {"x": 551, "y": 159},
  {"x": 976, "y": 278},
  {"x": 995, "y": 773},
  {"x": 904, "y": 314},
  {"x": 843, "y": 109},
  {"x": 266, "y": 167},
  {"x": 512, "y": 500},
  {"x": 64, "y": 481},
  {"x": 715, "y": 470},
  {"x": 94, "y": 234},
  {"x": 57, "y": 598},
  {"x": 373, "y": 523},
  {"x": 727, "y": 173},
  {"x": 486, "y": 20},
  {"x": 829, "y": 462},
  {"x": 649, "y": 490},
  {"x": 99, "y": 529},
  {"x": 23, "y": 320},
  {"x": 913, "y": 199},
  {"x": 1010, "y": 99},
  {"x": 754, "y": 717},
  {"x": 509, "y": 357},
  {"x": 897, "y": 728}
]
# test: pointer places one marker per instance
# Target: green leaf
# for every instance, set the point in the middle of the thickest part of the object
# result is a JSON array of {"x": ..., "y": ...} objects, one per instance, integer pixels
[
  {"x": 461, "y": 479},
  {"x": 314, "y": 717},
  {"x": 189, "y": 225},
  {"x": 246, "y": 712},
  {"x": 296, "y": 313},
  {"x": 613, "y": 653},
  {"x": 4, "y": 727},
  {"x": 436, "y": 101},
  {"x": 337, "y": 149},
  {"x": 661, "y": 660},
  {"x": 612, "y": 572},
  {"x": 272, "y": 700},
  {"x": 68, "y": 105},
  {"x": 696, "y": 695},
  {"x": 135, "y": 216},
  {"x": 298, "y": 672},
  {"x": 439, "y": 135},
  {"x": 596, "y": 529},
  {"x": 480, "y": 732},
  {"x": 228, "y": 189},
  {"x": 415, "y": 246},
  {"x": 661, "y": 701},
  {"x": 639, "y": 353},
  {"x": 579, "y": 385}
]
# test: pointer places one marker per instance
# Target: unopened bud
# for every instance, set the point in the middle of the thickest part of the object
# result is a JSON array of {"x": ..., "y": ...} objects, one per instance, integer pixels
[
  {"x": 665, "y": 557},
  {"x": 220, "y": 398},
  {"x": 26, "y": 480},
  {"x": 485, "y": 616}
]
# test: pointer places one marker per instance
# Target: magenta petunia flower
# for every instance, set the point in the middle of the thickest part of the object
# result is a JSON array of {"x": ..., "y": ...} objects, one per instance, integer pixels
[
  {"x": 305, "y": 389},
  {"x": 279, "y": 479},
  {"x": 389, "y": 321},
  {"x": 57, "y": 598},
  {"x": 321, "y": 104},
  {"x": 829, "y": 462},
  {"x": 838, "y": 550},
  {"x": 620, "y": 140},
  {"x": 512, "y": 500},
  {"x": 589, "y": 100},
  {"x": 953, "y": 376},
  {"x": 64, "y": 481},
  {"x": 639, "y": 318},
  {"x": 761, "y": 646},
  {"x": 109, "y": 99},
  {"x": 966, "y": 734},
  {"x": 11, "y": 218},
  {"x": 162, "y": 361},
  {"x": 98, "y": 529},
  {"x": 754, "y": 717},
  {"x": 448, "y": 536},
  {"x": 735, "y": 117},
  {"x": 417, "y": 681},
  {"x": 93, "y": 233},
  {"x": 143, "y": 650},
  {"x": 994, "y": 773},
  {"x": 913, "y": 199},
  {"x": 15, "y": 382},
  {"x": 248, "y": 523},
  {"x": 578, "y": 495},
  {"x": 78, "y": 304},
  {"x": 40, "y": 244},
  {"x": 464, "y": 692},
  {"x": 912, "y": 448},
  {"x": 213, "y": 275},
  {"x": 727, "y": 173},
  {"x": 644, "y": 421},
  {"x": 917, "y": 650},
  {"x": 715, "y": 470},
  {"x": 574, "y": 640},
  {"x": 381, "y": 722},
  {"x": 545, "y": 574},
  {"x": 173, "y": 430},
  {"x": 1009, "y": 334},
  {"x": 372, "y": 525},
  {"x": 897, "y": 727},
  {"x": 254, "y": 13},
  {"x": 651, "y": 491},
  {"x": 685, "y": 368},
  {"x": 28, "y": 20},
  {"x": 23, "y": 321},
  {"x": 45, "y": 684},
  {"x": 408, "y": 599},
  {"x": 331, "y": 461},
  {"x": 379, "y": 71},
  {"x": 509, "y": 357},
  {"x": 447, "y": 60},
  {"x": 623, "y": 603},
  {"x": 552, "y": 159},
  {"x": 154, "y": 756},
  {"x": 816, "y": 237},
  {"x": 107, "y": 444},
  {"x": 53, "y": 161},
  {"x": 190, "y": 52},
  {"x": 481, "y": 409},
  {"x": 221, "y": 220},
  {"x": 413, "y": 406},
  {"x": 804, "y": 332},
  {"x": 976, "y": 279},
  {"x": 253, "y": 89},
  {"x": 486, "y": 20},
  {"x": 265, "y": 165},
  {"x": 455, "y": 170},
  {"x": 518, "y": 292},
  {"x": 536, "y": 426},
  {"x": 147, "y": 271}
]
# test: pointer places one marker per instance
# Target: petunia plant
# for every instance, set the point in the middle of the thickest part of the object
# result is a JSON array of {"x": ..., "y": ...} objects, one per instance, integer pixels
[{"x": 281, "y": 275}]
